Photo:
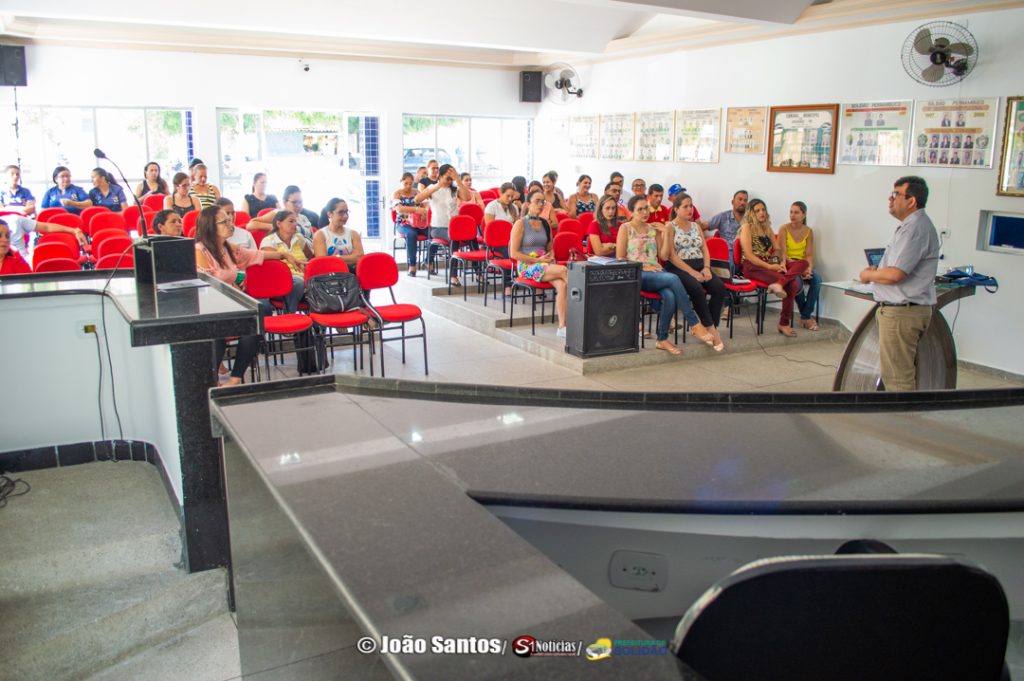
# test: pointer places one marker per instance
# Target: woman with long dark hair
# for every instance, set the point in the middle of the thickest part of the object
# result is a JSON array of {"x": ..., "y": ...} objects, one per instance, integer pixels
[
  {"x": 152, "y": 182},
  {"x": 407, "y": 214},
  {"x": 285, "y": 239},
  {"x": 105, "y": 192},
  {"x": 259, "y": 199},
  {"x": 444, "y": 198},
  {"x": 219, "y": 258},
  {"x": 796, "y": 242},
  {"x": 64, "y": 194},
  {"x": 582, "y": 201},
  {"x": 182, "y": 201},
  {"x": 603, "y": 232},
  {"x": 530, "y": 246}
]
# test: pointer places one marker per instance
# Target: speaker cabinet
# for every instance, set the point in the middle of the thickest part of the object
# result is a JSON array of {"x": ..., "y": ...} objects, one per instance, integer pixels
[
  {"x": 12, "y": 66},
  {"x": 531, "y": 86},
  {"x": 603, "y": 309}
]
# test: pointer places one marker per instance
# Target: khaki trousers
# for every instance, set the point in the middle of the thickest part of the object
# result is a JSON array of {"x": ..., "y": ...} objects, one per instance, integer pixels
[{"x": 899, "y": 331}]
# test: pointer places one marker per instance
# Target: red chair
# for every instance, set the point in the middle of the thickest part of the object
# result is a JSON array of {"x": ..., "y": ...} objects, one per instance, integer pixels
[
  {"x": 88, "y": 214},
  {"x": 53, "y": 249},
  {"x": 571, "y": 225},
  {"x": 116, "y": 261},
  {"x": 461, "y": 228},
  {"x": 132, "y": 221},
  {"x": 353, "y": 320},
  {"x": 559, "y": 216},
  {"x": 585, "y": 219},
  {"x": 104, "y": 234},
  {"x": 57, "y": 265},
  {"x": 68, "y": 240},
  {"x": 535, "y": 289},
  {"x": 647, "y": 299},
  {"x": 562, "y": 244},
  {"x": 488, "y": 194},
  {"x": 188, "y": 223},
  {"x": 496, "y": 238},
  {"x": 108, "y": 220},
  {"x": 47, "y": 213},
  {"x": 474, "y": 211},
  {"x": 242, "y": 219},
  {"x": 154, "y": 202},
  {"x": 273, "y": 280},
  {"x": 379, "y": 270},
  {"x": 265, "y": 211},
  {"x": 257, "y": 235},
  {"x": 66, "y": 219},
  {"x": 718, "y": 249},
  {"x": 115, "y": 245}
]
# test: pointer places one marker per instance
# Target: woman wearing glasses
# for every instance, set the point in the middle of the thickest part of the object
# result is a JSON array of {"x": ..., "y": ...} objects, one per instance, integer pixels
[
  {"x": 219, "y": 258},
  {"x": 293, "y": 202},
  {"x": 336, "y": 239},
  {"x": 646, "y": 244}
]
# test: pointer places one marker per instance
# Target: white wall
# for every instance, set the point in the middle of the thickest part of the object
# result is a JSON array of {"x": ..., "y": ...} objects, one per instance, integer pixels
[
  {"x": 52, "y": 380},
  {"x": 848, "y": 209}
]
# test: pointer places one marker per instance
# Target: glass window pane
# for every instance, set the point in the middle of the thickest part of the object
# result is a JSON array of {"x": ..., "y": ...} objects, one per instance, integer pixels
[
  {"x": 419, "y": 142},
  {"x": 168, "y": 145},
  {"x": 121, "y": 134},
  {"x": 31, "y": 146},
  {"x": 453, "y": 142},
  {"x": 487, "y": 154},
  {"x": 516, "y": 147}
]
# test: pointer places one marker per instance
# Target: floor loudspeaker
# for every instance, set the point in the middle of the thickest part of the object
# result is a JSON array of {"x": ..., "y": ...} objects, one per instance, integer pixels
[
  {"x": 531, "y": 86},
  {"x": 603, "y": 315}
]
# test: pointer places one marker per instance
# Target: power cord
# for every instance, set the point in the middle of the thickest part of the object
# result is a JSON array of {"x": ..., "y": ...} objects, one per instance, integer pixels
[
  {"x": 99, "y": 391},
  {"x": 757, "y": 339},
  {"x": 106, "y": 341},
  {"x": 9, "y": 487}
]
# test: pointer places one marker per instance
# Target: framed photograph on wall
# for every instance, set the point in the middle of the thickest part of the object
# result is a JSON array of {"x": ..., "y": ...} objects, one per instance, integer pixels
[
  {"x": 583, "y": 132},
  {"x": 955, "y": 133},
  {"x": 697, "y": 135},
  {"x": 617, "y": 136},
  {"x": 744, "y": 129},
  {"x": 803, "y": 138},
  {"x": 654, "y": 131},
  {"x": 875, "y": 133},
  {"x": 1011, "y": 177}
]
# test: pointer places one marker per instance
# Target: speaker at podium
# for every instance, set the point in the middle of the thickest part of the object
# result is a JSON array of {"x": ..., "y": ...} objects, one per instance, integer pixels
[{"x": 603, "y": 309}]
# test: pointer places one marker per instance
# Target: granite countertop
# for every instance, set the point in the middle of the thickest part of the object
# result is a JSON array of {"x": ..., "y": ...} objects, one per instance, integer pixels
[
  {"x": 376, "y": 476},
  {"x": 212, "y": 311}
]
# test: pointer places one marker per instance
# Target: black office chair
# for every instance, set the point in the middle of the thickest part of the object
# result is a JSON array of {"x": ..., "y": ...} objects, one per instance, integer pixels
[{"x": 895, "y": 617}]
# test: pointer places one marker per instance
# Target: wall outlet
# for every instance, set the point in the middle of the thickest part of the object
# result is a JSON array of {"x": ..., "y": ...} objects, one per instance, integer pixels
[
  {"x": 639, "y": 571},
  {"x": 945, "y": 233},
  {"x": 85, "y": 329}
]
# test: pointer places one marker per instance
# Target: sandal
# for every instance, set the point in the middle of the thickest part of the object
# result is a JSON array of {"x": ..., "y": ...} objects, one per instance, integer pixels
[
  {"x": 455, "y": 282},
  {"x": 777, "y": 291},
  {"x": 668, "y": 347},
  {"x": 810, "y": 324},
  {"x": 787, "y": 331},
  {"x": 701, "y": 333}
]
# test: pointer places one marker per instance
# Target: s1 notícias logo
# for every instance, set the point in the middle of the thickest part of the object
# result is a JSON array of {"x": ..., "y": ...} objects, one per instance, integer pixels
[
  {"x": 522, "y": 646},
  {"x": 528, "y": 646}
]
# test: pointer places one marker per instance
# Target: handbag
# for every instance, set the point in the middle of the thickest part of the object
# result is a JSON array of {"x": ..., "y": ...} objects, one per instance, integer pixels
[
  {"x": 575, "y": 255},
  {"x": 970, "y": 278},
  {"x": 333, "y": 292}
]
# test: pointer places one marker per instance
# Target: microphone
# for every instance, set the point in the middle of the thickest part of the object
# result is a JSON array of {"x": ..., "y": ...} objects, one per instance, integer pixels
[{"x": 98, "y": 153}]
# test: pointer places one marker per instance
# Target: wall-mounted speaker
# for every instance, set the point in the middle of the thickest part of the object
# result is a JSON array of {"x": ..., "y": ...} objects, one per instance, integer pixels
[
  {"x": 12, "y": 66},
  {"x": 603, "y": 312},
  {"x": 531, "y": 86}
]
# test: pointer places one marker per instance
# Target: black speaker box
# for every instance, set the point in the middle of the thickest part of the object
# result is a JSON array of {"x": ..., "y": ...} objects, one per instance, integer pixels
[
  {"x": 603, "y": 309},
  {"x": 531, "y": 86},
  {"x": 12, "y": 66}
]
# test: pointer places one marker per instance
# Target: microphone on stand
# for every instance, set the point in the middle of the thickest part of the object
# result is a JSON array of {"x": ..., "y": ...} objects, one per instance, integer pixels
[{"x": 98, "y": 153}]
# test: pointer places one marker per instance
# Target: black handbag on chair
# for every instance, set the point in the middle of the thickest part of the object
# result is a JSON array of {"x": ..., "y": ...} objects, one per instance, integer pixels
[{"x": 333, "y": 292}]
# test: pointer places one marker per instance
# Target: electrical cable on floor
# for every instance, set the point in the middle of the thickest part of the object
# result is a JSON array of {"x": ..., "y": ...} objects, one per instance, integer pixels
[
  {"x": 9, "y": 487},
  {"x": 106, "y": 341},
  {"x": 757, "y": 339}
]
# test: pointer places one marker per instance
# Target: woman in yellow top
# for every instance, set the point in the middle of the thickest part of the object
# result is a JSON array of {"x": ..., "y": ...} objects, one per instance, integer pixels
[
  {"x": 796, "y": 240},
  {"x": 762, "y": 262},
  {"x": 285, "y": 239}
]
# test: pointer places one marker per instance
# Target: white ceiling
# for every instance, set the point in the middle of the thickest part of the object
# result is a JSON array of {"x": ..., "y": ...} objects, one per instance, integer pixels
[{"x": 476, "y": 32}]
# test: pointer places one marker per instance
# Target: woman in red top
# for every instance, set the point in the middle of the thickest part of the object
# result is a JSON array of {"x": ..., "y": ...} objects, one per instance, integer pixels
[
  {"x": 602, "y": 232},
  {"x": 11, "y": 261}
]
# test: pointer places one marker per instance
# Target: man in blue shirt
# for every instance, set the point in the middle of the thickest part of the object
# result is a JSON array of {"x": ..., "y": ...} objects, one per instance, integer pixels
[
  {"x": 728, "y": 221},
  {"x": 15, "y": 197}
]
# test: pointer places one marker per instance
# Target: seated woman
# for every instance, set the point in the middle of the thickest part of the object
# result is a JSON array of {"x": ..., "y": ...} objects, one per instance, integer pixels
[
  {"x": 474, "y": 195},
  {"x": 796, "y": 242},
  {"x": 551, "y": 193},
  {"x": 239, "y": 237},
  {"x": 201, "y": 189},
  {"x": 11, "y": 261},
  {"x": 105, "y": 192},
  {"x": 63, "y": 194},
  {"x": 285, "y": 239},
  {"x": 167, "y": 223},
  {"x": 336, "y": 239},
  {"x": 259, "y": 199},
  {"x": 762, "y": 262},
  {"x": 227, "y": 262},
  {"x": 530, "y": 247},
  {"x": 305, "y": 220},
  {"x": 181, "y": 201},
  {"x": 641, "y": 242},
  {"x": 504, "y": 207},
  {"x": 582, "y": 201},
  {"x": 603, "y": 232},
  {"x": 407, "y": 214},
  {"x": 152, "y": 182},
  {"x": 690, "y": 260}
]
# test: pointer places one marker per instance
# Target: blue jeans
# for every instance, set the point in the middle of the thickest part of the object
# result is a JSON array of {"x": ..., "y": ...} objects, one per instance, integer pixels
[
  {"x": 807, "y": 299},
  {"x": 411, "y": 235},
  {"x": 673, "y": 296}
]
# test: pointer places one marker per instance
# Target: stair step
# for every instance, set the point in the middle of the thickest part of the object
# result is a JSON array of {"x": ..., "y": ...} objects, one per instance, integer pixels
[{"x": 70, "y": 634}]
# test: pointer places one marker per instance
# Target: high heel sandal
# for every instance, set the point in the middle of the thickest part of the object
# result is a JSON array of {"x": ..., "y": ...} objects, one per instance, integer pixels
[
  {"x": 704, "y": 337},
  {"x": 810, "y": 324},
  {"x": 787, "y": 331},
  {"x": 777, "y": 291}
]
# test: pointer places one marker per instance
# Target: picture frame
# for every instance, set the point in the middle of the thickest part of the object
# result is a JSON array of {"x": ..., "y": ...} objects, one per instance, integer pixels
[
  {"x": 1011, "y": 164},
  {"x": 957, "y": 133},
  {"x": 803, "y": 138},
  {"x": 744, "y": 129}
]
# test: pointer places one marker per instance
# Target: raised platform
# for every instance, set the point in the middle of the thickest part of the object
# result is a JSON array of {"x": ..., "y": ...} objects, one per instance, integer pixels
[{"x": 433, "y": 295}]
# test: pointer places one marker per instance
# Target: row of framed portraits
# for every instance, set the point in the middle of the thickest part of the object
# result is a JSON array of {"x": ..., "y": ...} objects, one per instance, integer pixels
[{"x": 954, "y": 133}]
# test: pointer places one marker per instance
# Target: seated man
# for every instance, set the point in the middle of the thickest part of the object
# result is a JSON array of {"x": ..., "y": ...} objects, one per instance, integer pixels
[
  {"x": 638, "y": 187},
  {"x": 659, "y": 211},
  {"x": 14, "y": 197},
  {"x": 727, "y": 223}
]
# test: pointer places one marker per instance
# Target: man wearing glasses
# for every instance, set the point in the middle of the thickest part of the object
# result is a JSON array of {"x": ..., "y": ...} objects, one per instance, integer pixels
[{"x": 904, "y": 284}]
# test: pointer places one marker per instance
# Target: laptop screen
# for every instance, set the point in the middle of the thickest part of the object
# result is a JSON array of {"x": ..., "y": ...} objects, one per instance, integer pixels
[{"x": 874, "y": 255}]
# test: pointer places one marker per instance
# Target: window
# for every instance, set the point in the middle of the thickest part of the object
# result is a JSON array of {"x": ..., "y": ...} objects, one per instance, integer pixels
[
  {"x": 493, "y": 150},
  {"x": 1002, "y": 232},
  {"x": 58, "y": 135}
]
